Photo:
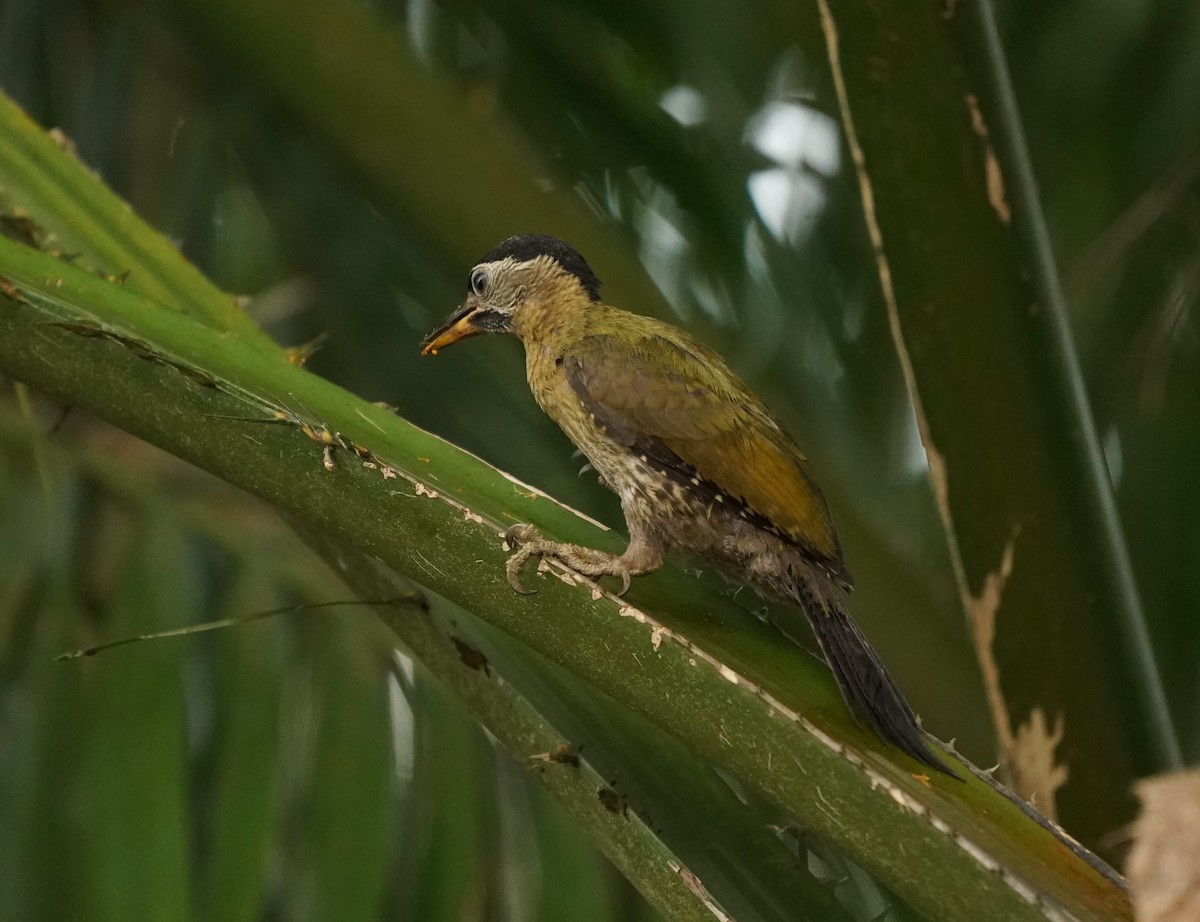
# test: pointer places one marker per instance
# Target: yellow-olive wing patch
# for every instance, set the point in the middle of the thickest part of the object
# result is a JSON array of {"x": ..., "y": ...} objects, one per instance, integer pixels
[{"x": 679, "y": 405}]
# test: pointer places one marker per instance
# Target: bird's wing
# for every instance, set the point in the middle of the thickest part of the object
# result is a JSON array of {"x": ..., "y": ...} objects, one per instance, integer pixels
[{"x": 679, "y": 405}]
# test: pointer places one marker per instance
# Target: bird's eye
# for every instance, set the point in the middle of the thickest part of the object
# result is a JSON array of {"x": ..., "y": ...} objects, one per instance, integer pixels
[{"x": 479, "y": 282}]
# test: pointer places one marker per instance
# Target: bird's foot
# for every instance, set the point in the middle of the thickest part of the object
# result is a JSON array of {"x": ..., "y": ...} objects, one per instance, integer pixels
[{"x": 528, "y": 542}]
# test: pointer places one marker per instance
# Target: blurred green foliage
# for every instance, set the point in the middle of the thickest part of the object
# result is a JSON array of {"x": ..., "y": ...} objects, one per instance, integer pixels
[{"x": 691, "y": 151}]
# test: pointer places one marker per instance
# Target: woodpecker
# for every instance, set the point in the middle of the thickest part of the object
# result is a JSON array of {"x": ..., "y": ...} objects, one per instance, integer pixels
[{"x": 698, "y": 461}]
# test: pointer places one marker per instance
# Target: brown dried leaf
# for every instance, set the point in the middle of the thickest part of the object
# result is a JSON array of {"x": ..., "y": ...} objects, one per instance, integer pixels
[
  {"x": 1036, "y": 774},
  {"x": 1164, "y": 864}
]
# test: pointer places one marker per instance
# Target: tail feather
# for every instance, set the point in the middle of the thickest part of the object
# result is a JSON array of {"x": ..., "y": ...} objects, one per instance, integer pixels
[{"x": 865, "y": 683}]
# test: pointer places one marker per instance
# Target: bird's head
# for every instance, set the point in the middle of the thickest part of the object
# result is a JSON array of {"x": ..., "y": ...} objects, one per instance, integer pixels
[{"x": 508, "y": 285}]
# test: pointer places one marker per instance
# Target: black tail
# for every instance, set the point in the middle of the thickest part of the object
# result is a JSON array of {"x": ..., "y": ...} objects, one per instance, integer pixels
[{"x": 865, "y": 683}]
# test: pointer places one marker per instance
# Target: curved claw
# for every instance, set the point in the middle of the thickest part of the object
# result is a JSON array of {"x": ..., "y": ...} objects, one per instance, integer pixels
[
  {"x": 519, "y": 534},
  {"x": 518, "y": 588},
  {"x": 512, "y": 569},
  {"x": 626, "y": 580}
]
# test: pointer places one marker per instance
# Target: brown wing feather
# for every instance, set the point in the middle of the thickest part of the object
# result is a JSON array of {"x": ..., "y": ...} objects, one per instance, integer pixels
[{"x": 682, "y": 407}]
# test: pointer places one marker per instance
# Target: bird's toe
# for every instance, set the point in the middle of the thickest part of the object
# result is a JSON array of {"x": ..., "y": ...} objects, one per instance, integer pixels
[{"x": 512, "y": 571}]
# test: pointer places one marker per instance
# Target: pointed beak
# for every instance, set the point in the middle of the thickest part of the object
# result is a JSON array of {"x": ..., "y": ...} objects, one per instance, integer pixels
[{"x": 460, "y": 325}]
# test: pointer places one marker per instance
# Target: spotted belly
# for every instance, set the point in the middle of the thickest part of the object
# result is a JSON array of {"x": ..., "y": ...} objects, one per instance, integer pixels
[
  {"x": 674, "y": 511},
  {"x": 663, "y": 500}
]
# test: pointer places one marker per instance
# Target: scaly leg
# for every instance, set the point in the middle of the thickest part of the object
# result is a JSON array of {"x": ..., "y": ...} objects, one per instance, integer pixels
[{"x": 640, "y": 557}]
